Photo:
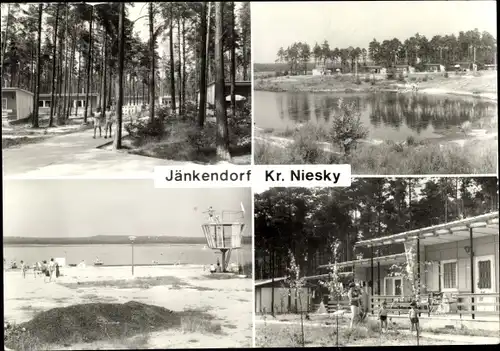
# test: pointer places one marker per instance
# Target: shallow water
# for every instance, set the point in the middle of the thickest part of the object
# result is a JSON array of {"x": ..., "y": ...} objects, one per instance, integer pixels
[
  {"x": 122, "y": 254},
  {"x": 386, "y": 115}
]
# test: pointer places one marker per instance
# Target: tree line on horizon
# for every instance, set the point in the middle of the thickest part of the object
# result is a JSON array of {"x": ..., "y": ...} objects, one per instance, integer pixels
[
  {"x": 96, "y": 49},
  {"x": 109, "y": 239},
  {"x": 306, "y": 221},
  {"x": 417, "y": 50}
]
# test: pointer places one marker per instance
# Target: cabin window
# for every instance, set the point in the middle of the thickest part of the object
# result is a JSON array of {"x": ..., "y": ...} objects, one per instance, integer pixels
[
  {"x": 450, "y": 275},
  {"x": 4, "y": 104},
  {"x": 40, "y": 103},
  {"x": 484, "y": 268},
  {"x": 47, "y": 103}
]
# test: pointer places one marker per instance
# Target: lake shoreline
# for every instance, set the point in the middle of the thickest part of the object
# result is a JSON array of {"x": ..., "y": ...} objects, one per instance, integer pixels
[
  {"x": 474, "y": 155},
  {"x": 478, "y": 87}
]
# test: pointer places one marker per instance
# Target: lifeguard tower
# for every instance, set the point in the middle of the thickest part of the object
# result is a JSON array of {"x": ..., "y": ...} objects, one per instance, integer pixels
[{"x": 223, "y": 233}]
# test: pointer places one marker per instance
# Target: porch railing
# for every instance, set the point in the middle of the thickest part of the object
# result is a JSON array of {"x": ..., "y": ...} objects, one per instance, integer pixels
[
  {"x": 478, "y": 304},
  {"x": 463, "y": 304}
]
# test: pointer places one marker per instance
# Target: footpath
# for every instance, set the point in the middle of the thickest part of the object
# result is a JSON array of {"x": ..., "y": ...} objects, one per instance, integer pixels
[{"x": 76, "y": 154}]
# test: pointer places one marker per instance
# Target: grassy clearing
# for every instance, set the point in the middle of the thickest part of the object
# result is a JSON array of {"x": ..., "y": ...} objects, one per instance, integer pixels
[
  {"x": 137, "y": 283},
  {"x": 194, "y": 321},
  {"x": 368, "y": 334},
  {"x": 474, "y": 157}
]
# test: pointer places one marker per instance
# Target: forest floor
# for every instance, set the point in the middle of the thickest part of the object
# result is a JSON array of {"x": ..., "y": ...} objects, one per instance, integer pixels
[
  {"x": 204, "y": 311},
  {"x": 483, "y": 84},
  {"x": 271, "y": 332},
  {"x": 183, "y": 142},
  {"x": 454, "y": 153}
]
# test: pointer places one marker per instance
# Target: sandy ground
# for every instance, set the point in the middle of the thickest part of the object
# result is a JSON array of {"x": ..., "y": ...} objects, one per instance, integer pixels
[{"x": 228, "y": 300}]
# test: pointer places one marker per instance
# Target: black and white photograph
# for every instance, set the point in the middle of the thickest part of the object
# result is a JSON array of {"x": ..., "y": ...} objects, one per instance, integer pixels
[
  {"x": 112, "y": 88},
  {"x": 389, "y": 87},
  {"x": 119, "y": 264},
  {"x": 384, "y": 262}
]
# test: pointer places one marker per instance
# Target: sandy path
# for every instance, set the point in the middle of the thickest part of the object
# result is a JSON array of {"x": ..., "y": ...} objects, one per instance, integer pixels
[{"x": 228, "y": 300}]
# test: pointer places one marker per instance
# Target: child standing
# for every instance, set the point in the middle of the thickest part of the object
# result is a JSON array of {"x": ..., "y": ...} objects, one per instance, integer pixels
[
  {"x": 413, "y": 315},
  {"x": 382, "y": 315}
]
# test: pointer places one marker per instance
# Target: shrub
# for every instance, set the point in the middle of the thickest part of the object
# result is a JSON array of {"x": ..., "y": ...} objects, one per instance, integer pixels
[
  {"x": 148, "y": 129},
  {"x": 413, "y": 79},
  {"x": 446, "y": 75},
  {"x": 401, "y": 77},
  {"x": 358, "y": 81},
  {"x": 162, "y": 113},
  {"x": 426, "y": 78},
  {"x": 347, "y": 127},
  {"x": 367, "y": 79},
  {"x": 373, "y": 81}
]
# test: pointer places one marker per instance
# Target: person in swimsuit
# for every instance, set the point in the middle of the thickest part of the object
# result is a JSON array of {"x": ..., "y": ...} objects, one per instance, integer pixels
[
  {"x": 354, "y": 301},
  {"x": 413, "y": 315},
  {"x": 382, "y": 315}
]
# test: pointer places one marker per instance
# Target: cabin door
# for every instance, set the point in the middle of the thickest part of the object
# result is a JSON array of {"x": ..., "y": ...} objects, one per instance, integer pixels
[{"x": 484, "y": 282}]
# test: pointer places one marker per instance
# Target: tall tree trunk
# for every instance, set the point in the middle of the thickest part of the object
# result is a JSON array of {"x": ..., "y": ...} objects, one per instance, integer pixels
[
  {"x": 222, "y": 139},
  {"x": 117, "y": 143},
  {"x": 31, "y": 78},
  {"x": 208, "y": 43},
  {"x": 233, "y": 63},
  {"x": 104, "y": 69},
  {"x": 184, "y": 64},
  {"x": 152, "y": 64},
  {"x": 66, "y": 46},
  {"x": 54, "y": 65},
  {"x": 59, "y": 78},
  {"x": 70, "y": 87},
  {"x": 89, "y": 65},
  {"x": 179, "y": 63},
  {"x": 37, "y": 78},
  {"x": 78, "y": 83},
  {"x": 6, "y": 40},
  {"x": 203, "y": 67},
  {"x": 110, "y": 88},
  {"x": 172, "y": 65}
]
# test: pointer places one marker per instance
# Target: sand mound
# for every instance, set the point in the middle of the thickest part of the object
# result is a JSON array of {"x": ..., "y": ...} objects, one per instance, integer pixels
[{"x": 99, "y": 321}]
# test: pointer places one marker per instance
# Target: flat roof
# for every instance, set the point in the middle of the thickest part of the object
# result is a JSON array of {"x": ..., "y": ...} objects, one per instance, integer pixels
[
  {"x": 238, "y": 82},
  {"x": 72, "y": 94},
  {"x": 366, "y": 262},
  {"x": 16, "y": 89},
  {"x": 483, "y": 225}
]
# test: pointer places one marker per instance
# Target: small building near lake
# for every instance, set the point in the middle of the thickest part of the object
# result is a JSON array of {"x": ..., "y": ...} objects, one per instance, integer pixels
[
  {"x": 17, "y": 103},
  {"x": 491, "y": 67},
  {"x": 434, "y": 67},
  {"x": 465, "y": 66},
  {"x": 375, "y": 69}
]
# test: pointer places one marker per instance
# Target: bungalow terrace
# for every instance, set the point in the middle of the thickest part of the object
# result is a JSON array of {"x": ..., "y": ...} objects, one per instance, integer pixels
[
  {"x": 242, "y": 88},
  {"x": 17, "y": 103},
  {"x": 405, "y": 69},
  {"x": 434, "y": 67},
  {"x": 492, "y": 67},
  {"x": 456, "y": 268}
]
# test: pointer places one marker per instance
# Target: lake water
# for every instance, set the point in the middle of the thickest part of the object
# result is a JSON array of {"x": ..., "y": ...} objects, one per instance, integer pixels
[
  {"x": 386, "y": 115},
  {"x": 122, "y": 254}
]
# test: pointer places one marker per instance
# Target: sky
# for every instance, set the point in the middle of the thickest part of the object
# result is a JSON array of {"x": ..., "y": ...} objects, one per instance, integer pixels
[
  {"x": 356, "y": 23},
  {"x": 78, "y": 208}
]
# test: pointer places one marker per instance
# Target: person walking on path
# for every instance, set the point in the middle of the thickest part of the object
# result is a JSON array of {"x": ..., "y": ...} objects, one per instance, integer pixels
[{"x": 52, "y": 269}]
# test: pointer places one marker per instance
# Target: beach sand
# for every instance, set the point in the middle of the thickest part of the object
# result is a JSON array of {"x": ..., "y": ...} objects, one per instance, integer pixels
[{"x": 178, "y": 288}]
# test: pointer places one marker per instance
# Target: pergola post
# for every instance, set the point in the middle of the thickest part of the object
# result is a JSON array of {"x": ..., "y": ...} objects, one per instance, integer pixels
[
  {"x": 418, "y": 272},
  {"x": 378, "y": 273},
  {"x": 371, "y": 267},
  {"x": 471, "y": 271}
]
